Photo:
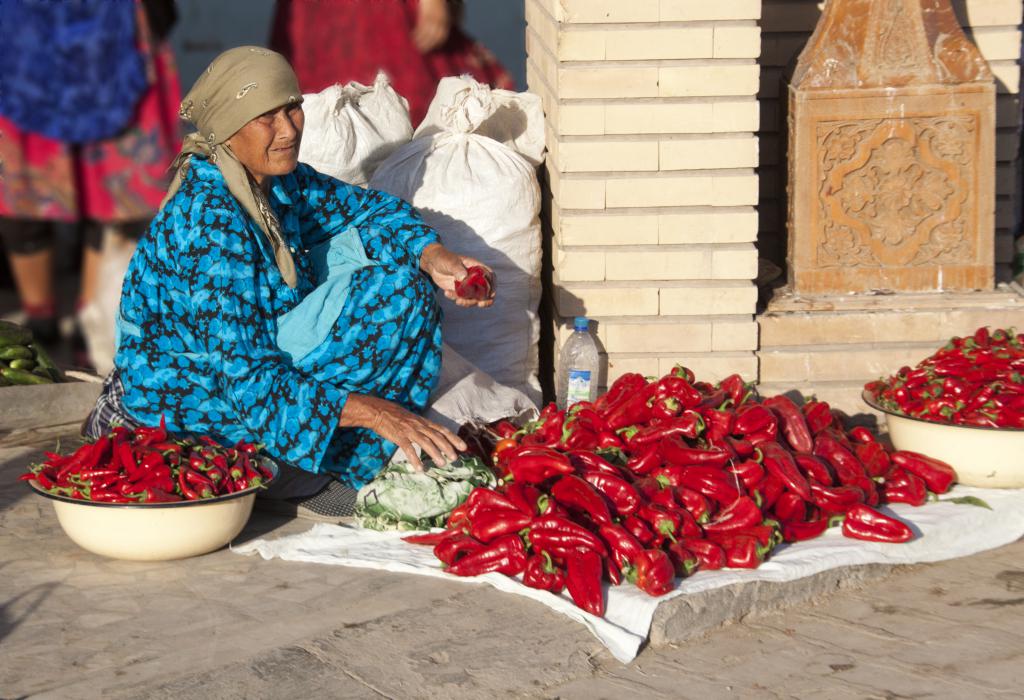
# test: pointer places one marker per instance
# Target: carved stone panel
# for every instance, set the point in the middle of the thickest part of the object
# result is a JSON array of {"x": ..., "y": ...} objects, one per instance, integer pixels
[
  {"x": 891, "y": 153},
  {"x": 882, "y": 201}
]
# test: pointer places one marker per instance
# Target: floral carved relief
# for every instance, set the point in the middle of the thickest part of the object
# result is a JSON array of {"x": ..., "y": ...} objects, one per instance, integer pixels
[{"x": 895, "y": 192}]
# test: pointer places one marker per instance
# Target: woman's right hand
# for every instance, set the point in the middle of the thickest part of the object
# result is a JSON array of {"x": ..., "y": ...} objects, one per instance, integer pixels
[{"x": 402, "y": 427}]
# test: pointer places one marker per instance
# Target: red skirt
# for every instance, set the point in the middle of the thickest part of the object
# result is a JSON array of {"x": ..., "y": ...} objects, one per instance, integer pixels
[
  {"x": 338, "y": 41},
  {"x": 123, "y": 178}
]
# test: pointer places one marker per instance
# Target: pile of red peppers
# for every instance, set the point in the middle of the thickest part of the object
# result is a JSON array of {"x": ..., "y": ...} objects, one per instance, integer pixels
[
  {"x": 147, "y": 465},
  {"x": 977, "y": 380},
  {"x": 659, "y": 479}
]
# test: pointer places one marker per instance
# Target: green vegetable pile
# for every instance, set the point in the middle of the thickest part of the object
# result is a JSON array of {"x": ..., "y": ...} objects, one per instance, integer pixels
[{"x": 22, "y": 360}]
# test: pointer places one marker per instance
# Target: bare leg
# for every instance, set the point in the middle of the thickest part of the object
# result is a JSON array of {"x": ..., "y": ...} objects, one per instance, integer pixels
[{"x": 33, "y": 275}]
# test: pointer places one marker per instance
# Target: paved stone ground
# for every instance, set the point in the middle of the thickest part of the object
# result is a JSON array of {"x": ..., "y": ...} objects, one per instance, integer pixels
[{"x": 73, "y": 625}]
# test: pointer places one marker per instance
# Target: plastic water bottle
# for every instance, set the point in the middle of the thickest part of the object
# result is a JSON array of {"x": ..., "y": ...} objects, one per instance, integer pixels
[{"x": 577, "y": 366}]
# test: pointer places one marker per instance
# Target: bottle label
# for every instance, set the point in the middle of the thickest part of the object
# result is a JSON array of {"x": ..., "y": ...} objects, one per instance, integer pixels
[{"x": 579, "y": 386}]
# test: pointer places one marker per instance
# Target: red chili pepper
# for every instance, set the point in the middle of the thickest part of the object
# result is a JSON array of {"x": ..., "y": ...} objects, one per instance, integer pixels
[
  {"x": 676, "y": 451},
  {"x": 742, "y": 551},
  {"x": 429, "y": 539},
  {"x": 665, "y": 408},
  {"x": 632, "y": 411},
  {"x": 848, "y": 468},
  {"x": 646, "y": 461},
  {"x": 155, "y": 495},
  {"x": 769, "y": 491},
  {"x": 688, "y": 425},
  {"x": 583, "y": 580},
  {"x": 709, "y": 554},
  {"x": 741, "y": 513},
  {"x": 591, "y": 462},
  {"x": 506, "y": 555},
  {"x": 683, "y": 560},
  {"x": 744, "y": 449},
  {"x": 712, "y": 483},
  {"x": 621, "y": 493},
  {"x": 737, "y": 389},
  {"x": 663, "y": 521},
  {"x": 655, "y": 574},
  {"x": 482, "y": 498},
  {"x": 865, "y": 523},
  {"x": 524, "y": 497},
  {"x": 622, "y": 388},
  {"x": 575, "y": 493},
  {"x": 639, "y": 529},
  {"x": 814, "y": 468},
  {"x": 937, "y": 475},
  {"x": 753, "y": 419},
  {"x": 489, "y": 525},
  {"x": 560, "y": 536},
  {"x": 694, "y": 502},
  {"x": 607, "y": 439},
  {"x": 623, "y": 546},
  {"x": 790, "y": 507},
  {"x": 818, "y": 415},
  {"x": 835, "y": 499},
  {"x": 717, "y": 424},
  {"x": 187, "y": 491},
  {"x": 538, "y": 465},
  {"x": 678, "y": 388},
  {"x": 903, "y": 487},
  {"x": 796, "y": 531},
  {"x": 794, "y": 425},
  {"x": 655, "y": 489},
  {"x": 874, "y": 457},
  {"x": 541, "y": 573},
  {"x": 455, "y": 546},
  {"x": 749, "y": 472},
  {"x": 779, "y": 462}
]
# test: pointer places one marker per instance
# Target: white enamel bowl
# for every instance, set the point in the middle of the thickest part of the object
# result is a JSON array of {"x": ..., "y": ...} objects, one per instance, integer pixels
[
  {"x": 985, "y": 457},
  {"x": 154, "y": 531}
]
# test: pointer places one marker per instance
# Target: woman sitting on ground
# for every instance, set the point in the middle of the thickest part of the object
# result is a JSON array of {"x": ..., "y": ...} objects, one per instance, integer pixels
[{"x": 273, "y": 304}]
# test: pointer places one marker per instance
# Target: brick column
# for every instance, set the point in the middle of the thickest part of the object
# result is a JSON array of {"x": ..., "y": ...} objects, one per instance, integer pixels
[{"x": 651, "y": 109}]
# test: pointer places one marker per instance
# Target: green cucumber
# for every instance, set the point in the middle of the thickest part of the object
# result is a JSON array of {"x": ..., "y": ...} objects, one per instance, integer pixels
[
  {"x": 44, "y": 361},
  {"x": 13, "y": 334},
  {"x": 27, "y": 365},
  {"x": 16, "y": 352},
  {"x": 20, "y": 376}
]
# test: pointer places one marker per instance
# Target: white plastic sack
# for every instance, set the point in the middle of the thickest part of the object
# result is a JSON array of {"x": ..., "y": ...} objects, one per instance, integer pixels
[
  {"x": 483, "y": 199},
  {"x": 351, "y": 128},
  {"x": 97, "y": 317}
]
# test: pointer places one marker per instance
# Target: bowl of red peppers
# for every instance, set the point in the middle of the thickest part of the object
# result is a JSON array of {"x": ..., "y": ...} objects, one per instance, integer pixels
[
  {"x": 144, "y": 495},
  {"x": 964, "y": 404}
]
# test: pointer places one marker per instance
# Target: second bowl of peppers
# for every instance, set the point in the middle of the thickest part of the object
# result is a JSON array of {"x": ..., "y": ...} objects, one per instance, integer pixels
[
  {"x": 141, "y": 495},
  {"x": 963, "y": 404}
]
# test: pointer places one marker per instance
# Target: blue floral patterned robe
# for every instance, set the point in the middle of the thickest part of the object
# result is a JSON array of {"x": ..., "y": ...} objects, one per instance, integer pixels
[{"x": 199, "y": 314}]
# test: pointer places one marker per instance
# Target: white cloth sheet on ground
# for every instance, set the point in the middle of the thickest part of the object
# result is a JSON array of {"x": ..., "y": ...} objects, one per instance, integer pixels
[{"x": 945, "y": 531}]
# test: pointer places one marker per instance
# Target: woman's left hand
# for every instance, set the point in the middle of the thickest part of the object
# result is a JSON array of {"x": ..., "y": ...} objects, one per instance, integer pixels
[{"x": 445, "y": 267}]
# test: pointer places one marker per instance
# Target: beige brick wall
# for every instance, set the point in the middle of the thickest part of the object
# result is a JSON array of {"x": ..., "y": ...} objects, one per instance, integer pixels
[
  {"x": 652, "y": 114},
  {"x": 994, "y": 25}
]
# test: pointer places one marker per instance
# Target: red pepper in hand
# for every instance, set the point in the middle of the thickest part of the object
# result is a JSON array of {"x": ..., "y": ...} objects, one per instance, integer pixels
[
  {"x": 937, "y": 475},
  {"x": 794, "y": 425},
  {"x": 583, "y": 580},
  {"x": 475, "y": 285},
  {"x": 506, "y": 555},
  {"x": 541, "y": 573},
  {"x": 575, "y": 493},
  {"x": 655, "y": 574},
  {"x": 865, "y": 523}
]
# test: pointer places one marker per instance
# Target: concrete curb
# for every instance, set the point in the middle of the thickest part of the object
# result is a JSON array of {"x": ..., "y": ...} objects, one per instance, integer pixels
[{"x": 688, "y": 617}]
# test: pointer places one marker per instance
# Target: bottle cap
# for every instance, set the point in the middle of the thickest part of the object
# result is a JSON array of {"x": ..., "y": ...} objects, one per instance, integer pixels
[{"x": 582, "y": 323}]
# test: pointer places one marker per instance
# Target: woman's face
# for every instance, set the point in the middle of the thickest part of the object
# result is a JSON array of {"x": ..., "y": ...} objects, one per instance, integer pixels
[{"x": 269, "y": 144}]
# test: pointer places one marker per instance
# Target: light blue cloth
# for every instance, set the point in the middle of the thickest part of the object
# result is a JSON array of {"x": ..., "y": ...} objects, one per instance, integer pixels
[{"x": 309, "y": 324}]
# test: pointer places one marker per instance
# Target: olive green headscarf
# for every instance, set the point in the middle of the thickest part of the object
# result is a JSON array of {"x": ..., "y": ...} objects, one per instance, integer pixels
[{"x": 240, "y": 85}]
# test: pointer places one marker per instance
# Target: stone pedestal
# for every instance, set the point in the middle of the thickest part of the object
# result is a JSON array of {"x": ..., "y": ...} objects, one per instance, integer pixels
[
  {"x": 891, "y": 153},
  {"x": 891, "y": 200}
]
